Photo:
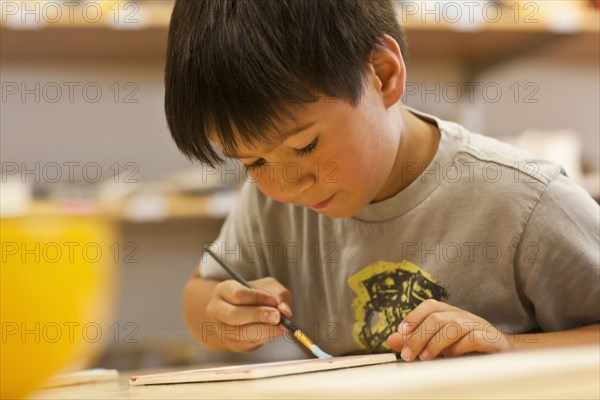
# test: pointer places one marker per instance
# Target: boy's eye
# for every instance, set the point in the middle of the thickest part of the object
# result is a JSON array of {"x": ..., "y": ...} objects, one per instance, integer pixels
[
  {"x": 311, "y": 147},
  {"x": 255, "y": 164},
  {"x": 300, "y": 152}
]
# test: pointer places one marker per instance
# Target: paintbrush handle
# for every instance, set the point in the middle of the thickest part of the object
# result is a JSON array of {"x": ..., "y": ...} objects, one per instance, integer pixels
[
  {"x": 226, "y": 267},
  {"x": 288, "y": 323}
]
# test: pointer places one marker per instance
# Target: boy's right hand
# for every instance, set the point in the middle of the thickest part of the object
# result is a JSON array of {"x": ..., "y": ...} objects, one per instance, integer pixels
[{"x": 235, "y": 307}]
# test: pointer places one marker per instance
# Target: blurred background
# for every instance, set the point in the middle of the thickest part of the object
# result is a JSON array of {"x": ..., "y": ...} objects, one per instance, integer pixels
[{"x": 83, "y": 134}]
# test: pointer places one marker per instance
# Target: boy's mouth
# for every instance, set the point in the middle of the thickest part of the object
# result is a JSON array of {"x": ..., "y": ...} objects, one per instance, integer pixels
[{"x": 323, "y": 203}]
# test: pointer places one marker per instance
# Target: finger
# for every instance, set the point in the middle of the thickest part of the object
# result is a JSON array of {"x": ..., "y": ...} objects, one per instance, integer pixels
[
  {"x": 396, "y": 341},
  {"x": 449, "y": 334},
  {"x": 235, "y": 293},
  {"x": 249, "y": 337},
  {"x": 479, "y": 341},
  {"x": 423, "y": 334},
  {"x": 242, "y": 315},
  {"x": 275, "y": 288},
  {"x": 473, "y": 342},
  {"x": 414, "y": 318}
]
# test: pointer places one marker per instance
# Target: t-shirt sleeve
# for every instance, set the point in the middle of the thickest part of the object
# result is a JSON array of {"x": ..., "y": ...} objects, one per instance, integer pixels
[
  {"x": 558, "y": 263},
  {"x": 237, "y": 240}
]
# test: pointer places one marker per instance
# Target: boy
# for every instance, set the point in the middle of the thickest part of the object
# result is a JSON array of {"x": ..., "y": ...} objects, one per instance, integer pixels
[{"x": 393, "y": 229}]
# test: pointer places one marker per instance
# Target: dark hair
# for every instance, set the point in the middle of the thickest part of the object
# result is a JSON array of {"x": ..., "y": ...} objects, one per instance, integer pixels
[{"x": 235, "y": 67}]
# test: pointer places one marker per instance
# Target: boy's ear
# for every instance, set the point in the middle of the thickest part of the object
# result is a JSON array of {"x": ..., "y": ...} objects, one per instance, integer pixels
[{"x": 388, "y": 65}]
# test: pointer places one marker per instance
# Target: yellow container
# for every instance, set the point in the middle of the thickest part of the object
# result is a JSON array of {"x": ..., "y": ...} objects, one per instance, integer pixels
[{"x": 57, "y": 296}]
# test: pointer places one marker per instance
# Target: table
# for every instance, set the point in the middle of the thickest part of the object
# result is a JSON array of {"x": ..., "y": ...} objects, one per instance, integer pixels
[{"x": 572, "y": 372}]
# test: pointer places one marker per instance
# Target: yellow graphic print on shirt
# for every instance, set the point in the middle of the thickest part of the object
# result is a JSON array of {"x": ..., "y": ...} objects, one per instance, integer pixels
[{"x": 385, "y": 293}]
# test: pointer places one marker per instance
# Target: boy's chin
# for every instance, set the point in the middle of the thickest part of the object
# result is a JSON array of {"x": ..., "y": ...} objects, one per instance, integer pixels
[{"x": 336, "y": 212}]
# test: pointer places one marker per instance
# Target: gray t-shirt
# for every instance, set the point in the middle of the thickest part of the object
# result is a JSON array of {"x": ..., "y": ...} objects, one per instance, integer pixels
[{"x": 487, "y": 227}]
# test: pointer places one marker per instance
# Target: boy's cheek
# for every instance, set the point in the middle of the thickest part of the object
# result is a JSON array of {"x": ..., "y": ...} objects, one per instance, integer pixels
[{"x": 270, "y": 190}]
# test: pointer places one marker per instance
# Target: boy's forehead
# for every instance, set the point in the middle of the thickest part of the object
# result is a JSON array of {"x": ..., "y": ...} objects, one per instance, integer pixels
[
  {"x": 295, "y": 121},
  {"x": 241, "y": 150},
  {"x": 270, "y": 143}
]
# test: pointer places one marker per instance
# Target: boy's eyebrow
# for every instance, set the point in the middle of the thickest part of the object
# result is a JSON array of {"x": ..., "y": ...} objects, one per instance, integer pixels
[{"x": 284, "y": 136}]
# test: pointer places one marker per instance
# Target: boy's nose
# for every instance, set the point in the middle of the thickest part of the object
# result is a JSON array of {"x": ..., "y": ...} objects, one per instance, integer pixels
[{"x": 294, "y": 187}]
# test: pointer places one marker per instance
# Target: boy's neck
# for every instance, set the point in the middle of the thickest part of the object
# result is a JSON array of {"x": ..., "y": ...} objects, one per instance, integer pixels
[{"x": 419, "y": 141}]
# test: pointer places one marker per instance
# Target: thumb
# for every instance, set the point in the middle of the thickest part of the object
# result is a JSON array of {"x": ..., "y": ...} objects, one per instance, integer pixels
[
  {"x": 277, "y": 290},
  {"x": 285, "y": 309}
]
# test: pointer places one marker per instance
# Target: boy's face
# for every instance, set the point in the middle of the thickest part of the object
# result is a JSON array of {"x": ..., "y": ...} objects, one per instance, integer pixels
[{"x": 338, "y": 164}]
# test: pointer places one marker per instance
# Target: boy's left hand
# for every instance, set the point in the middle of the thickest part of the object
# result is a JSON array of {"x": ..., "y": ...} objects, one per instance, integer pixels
[{"x": 435, "y": 328}]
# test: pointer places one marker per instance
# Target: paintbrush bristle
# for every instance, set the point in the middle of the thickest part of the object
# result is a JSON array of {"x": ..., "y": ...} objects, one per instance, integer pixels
[{"x": 316, "y": 350}]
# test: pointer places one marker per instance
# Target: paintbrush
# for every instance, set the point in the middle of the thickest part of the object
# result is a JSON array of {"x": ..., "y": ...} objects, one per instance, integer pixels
[{"x": 286, "y": 322}]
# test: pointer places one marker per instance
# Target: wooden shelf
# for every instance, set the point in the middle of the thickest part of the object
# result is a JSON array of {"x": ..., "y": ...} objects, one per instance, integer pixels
[
  {"x": 147, "y": 38},
  {"x": 117, "y": 30},
  {"x": 172, "y": 207},
  {"x": 141, "y": 210}
]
